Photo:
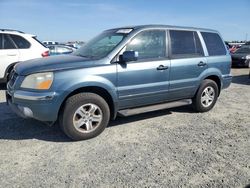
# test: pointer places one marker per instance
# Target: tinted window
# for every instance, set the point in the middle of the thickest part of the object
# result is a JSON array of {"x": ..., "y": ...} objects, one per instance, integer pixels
[
  {"x": 20, "y": 42},
  {"x": 185, "y": 43},
  {"x": 1, "y": 41},
  {"x": 7, "y": 43},
  {"x": 215, "y": 45},
  {"x": 149, "y": 44}
]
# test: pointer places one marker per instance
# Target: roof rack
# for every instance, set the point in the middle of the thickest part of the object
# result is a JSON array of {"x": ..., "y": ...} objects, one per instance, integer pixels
[{"x": 11, "y": 30}]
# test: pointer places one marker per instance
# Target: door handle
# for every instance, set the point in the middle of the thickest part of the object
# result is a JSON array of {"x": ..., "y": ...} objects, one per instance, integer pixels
[
  {"x": 162, "y": 67},
  {"x": 202, "y": 64},
  {"x": 11, "y": 54}
]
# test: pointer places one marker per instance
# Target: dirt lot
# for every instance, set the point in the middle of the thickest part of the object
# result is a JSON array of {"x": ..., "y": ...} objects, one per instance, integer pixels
[{"x": 168, "y": 148}]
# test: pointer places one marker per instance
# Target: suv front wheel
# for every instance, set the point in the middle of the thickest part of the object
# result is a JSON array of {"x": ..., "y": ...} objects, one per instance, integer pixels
[
  {"x": 85, "y": 116},
  {"x": 206, "y": 96}
]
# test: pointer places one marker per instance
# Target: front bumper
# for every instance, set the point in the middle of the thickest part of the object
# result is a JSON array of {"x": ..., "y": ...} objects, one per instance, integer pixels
[{"x": 38, "y": 105}]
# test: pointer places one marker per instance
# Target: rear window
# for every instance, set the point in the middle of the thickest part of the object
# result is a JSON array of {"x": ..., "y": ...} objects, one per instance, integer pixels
[
  {"x": 185, "y": 44},
  {"x": 20, "y": 42},
  {"x": 215, "y": 46}
]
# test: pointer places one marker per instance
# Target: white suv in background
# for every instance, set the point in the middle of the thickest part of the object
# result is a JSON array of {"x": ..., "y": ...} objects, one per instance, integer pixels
[{"x": 16, "y": 46}]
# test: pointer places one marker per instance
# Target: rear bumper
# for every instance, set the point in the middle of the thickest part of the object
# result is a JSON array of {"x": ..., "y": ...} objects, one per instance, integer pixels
[
  {"x": 40, "y": 106},
  {"x": 226, "y": 81}
]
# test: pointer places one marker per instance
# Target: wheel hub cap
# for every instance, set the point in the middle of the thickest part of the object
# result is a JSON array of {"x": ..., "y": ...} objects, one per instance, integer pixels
[
  {"x": 207, "y": 96},
  {"x": 87, "y": 118}
]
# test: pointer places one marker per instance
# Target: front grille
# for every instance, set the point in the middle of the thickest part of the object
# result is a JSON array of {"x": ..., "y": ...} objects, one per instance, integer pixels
[{"x": 13, "y": 77}]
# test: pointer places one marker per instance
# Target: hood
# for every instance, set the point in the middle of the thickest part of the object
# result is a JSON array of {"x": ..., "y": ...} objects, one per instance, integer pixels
[{"x": 53, "y": 63}]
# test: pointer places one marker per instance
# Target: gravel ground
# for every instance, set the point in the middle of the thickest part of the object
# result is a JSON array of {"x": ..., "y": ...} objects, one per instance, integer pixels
[{"x": 168, "y": 148}]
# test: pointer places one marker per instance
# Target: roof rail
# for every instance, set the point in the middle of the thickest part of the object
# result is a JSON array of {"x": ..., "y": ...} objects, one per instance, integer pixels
[{"x": 11, "y": 30}]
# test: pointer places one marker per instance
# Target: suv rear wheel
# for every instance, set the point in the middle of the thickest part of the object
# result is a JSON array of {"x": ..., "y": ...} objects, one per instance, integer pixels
[
  {"x": 206, "y": 96},
  {"x": 85, "y": 116}
]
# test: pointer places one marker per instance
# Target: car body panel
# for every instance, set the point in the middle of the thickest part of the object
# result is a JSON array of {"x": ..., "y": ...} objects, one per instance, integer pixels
[
  {"x": 185, "y": 76},
  {"x": 145, "y": 85}
]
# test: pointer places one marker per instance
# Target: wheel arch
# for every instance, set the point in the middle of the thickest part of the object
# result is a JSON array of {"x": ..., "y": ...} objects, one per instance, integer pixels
[
  {"x": 216, "y": 79},
  {"x": 8, "y": 70},
  {"x": 97, "y": 90}
]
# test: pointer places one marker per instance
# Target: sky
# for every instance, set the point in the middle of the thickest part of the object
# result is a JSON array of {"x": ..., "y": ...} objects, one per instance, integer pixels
[{"x": 71, "y": 20}]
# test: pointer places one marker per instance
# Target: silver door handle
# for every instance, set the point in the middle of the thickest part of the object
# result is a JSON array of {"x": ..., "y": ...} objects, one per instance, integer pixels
[{"x": 11, "y": 54}]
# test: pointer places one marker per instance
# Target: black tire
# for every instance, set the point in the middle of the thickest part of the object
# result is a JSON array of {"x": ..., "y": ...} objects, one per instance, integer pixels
[
  {"x": 200, "y": 106},
  {"x": 69, "y": 114}
]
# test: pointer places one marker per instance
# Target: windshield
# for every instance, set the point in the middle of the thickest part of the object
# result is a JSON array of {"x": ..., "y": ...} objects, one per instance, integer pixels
[
  {"x": 243, "y": 50},
  {"x": 101, "y": 45}
]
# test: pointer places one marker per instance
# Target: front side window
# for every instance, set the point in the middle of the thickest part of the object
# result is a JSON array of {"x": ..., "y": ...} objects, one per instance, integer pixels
[
  {"x": 149, "y": 44},
  {"x": 101, "y": 45},
  {"x": 185, "y": 44},
  {"x": 215, "y": 46},
  {"x": 7, "y": 43},
  {"x": 20, "y": 42}
]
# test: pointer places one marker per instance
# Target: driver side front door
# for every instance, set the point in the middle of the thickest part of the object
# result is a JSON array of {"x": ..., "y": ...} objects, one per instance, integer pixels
[{"x": 145, "y": 81}]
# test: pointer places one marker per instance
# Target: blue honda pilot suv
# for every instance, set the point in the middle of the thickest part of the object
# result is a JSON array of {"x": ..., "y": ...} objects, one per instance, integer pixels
[{"x": 122, "y": 71}]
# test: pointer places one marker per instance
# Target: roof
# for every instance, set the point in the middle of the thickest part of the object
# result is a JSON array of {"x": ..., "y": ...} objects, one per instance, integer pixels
[
  {"x": 164, "y": 27},
  {"x": 12, "y": 31}
]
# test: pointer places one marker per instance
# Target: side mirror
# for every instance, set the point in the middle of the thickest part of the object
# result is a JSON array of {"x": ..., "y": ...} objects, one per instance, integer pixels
[{"x": 129, "y": 56}]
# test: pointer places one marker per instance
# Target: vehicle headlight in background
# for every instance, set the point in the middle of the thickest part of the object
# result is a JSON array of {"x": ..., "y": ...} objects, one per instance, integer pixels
[
  {"x": 248, "y": 57},
  {"x": 38, "y": 81}
]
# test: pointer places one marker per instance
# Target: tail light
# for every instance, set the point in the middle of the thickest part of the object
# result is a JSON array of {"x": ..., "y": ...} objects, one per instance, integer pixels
[{"x": 45, "y": 54}]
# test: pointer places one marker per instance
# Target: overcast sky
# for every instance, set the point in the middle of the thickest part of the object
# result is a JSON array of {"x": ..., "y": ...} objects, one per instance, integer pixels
[{"x": 64, "y": 20}]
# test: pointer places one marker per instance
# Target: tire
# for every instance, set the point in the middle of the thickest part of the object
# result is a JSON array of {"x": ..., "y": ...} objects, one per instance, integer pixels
[
  {"x": 85, "y": 116},
  {"x": 206, "y": 96}
]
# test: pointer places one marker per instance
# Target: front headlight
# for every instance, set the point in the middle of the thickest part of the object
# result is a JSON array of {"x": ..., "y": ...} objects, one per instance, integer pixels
[
  {"x": 38, "y": 81},
  {"x": 248, "y": 57}
]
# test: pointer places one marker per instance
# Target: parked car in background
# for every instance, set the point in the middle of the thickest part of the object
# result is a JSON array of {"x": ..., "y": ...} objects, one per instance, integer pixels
[
  {"x": 50, "y": 43},
  {"x": 241, "y": 57},
  {"x": 122, "y": 71},
  {"x": 234, "y": 48},
  {"x": 17, "y": 46},
  {"x": 74, "y": 45},
  {"x": 60, "y": 49}
]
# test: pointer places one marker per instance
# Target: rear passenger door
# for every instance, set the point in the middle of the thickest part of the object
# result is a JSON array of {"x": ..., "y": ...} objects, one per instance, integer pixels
[
  {"x": 23, "y": 46},
  {"x": 187, "y": 63},
  {"x": 8, "y": 53}
]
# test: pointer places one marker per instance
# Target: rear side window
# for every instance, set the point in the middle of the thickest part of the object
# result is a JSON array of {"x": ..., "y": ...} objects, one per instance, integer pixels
[
  {"x": 7, "y": 43},
  {"x": 20, "y": 42},
  {"x": 215, "y": 45},
  {"x": 185, "y": 44}
]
